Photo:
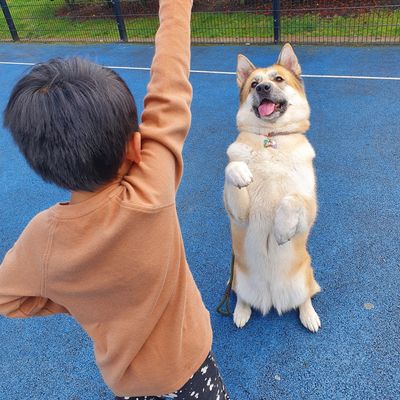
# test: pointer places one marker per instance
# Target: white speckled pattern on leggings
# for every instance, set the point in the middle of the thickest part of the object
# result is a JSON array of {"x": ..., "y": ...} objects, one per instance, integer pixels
[{"x": 205, "y": 384}]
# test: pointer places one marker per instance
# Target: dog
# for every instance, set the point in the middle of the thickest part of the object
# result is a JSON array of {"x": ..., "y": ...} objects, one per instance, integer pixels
[{"x": 270, "y": 192}]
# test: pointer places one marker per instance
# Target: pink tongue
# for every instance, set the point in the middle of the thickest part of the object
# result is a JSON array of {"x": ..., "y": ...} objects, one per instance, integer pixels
[{"x": 266, "y": 108}]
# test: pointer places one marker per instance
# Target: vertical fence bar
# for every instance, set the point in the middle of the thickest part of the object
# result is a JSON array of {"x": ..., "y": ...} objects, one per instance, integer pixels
[
  {"x": 276, "y": 13},
  {"x": 10, "y": 22},
  {"x": 116, "y": 6}
]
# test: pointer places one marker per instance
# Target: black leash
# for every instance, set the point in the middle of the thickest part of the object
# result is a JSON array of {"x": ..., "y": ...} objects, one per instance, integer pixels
[{"x": 226, "y": 299}]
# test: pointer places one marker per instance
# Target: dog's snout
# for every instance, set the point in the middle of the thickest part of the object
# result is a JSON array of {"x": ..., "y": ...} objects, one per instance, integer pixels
[{"x": 263, "y": 87}]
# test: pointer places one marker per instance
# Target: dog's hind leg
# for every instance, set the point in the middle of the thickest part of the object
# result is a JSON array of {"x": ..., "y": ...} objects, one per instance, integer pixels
[
  {"x": 242, "y": 313},
  {"x": 308, "y": 316}
]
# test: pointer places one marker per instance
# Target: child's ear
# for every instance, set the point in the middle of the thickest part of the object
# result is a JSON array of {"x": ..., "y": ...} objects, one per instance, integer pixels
[{"x": 134, "y": 148}]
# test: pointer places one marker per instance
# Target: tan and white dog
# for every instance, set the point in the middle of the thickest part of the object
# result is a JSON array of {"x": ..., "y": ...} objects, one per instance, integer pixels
[{"x": 270, "y": 192}]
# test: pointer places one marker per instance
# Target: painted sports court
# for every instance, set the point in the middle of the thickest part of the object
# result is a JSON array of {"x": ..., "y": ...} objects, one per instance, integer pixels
[{"x": 354, "y": 97}]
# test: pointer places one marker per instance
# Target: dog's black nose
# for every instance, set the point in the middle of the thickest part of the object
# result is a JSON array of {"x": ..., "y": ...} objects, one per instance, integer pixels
[{"x": 263, "y": 87}]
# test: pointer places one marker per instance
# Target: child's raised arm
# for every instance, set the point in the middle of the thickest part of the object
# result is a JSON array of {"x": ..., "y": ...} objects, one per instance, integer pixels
[{"x": 166, "y": 117}]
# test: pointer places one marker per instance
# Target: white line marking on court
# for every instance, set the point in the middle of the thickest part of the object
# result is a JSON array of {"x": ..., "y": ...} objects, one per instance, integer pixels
[
  {"x": 382, "y": 78},
  {"x": 15, "y": 63},
  {"x": 194, "y": 71}
]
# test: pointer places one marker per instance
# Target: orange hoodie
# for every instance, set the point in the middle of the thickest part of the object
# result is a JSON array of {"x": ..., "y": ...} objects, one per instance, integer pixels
[{"x": 116, "y": 262}]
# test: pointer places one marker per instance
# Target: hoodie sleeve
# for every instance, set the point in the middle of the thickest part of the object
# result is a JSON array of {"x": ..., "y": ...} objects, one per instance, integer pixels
[
  {"x": 21, "y": 275},
  {"x": 166, "y": 117}
]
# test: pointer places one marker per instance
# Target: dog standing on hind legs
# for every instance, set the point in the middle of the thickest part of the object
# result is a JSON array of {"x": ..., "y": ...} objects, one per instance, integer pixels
[{"x": 270, "y": 192}]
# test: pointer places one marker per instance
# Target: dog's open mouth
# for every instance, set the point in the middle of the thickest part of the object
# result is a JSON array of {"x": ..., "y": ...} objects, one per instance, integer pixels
[{"x": 267, "y": 107}]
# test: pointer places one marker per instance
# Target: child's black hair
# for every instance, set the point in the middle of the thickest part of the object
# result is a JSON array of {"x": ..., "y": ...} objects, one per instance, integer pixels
[{"x": 72, "y": 120}]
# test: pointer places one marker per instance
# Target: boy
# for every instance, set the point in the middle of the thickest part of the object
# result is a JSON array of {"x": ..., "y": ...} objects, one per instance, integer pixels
[{"x": 113, "y": 257}]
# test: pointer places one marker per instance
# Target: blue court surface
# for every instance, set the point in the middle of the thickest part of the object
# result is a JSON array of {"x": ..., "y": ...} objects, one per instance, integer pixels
[{"x": 354, "y": 244}]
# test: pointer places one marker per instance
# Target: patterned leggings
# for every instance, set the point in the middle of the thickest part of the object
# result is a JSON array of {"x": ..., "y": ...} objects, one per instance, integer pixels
[{"x": 205, "y": 384}]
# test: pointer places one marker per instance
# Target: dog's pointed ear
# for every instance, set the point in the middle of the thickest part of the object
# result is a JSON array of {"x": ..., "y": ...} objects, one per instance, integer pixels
[
  {"x": 244, "y": 68},
  {"x": 287, "y": 58}
]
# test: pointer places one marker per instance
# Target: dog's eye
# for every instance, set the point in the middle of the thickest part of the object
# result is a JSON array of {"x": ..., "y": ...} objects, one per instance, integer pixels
[
  {"x": 279, "y": 79},
  {"x": 254, "y": 84}
]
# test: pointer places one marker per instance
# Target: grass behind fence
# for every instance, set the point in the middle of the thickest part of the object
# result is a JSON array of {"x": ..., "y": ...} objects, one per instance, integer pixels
[
  {"x": 40, "y": 21},
  {"x": 36, "y": 20}
]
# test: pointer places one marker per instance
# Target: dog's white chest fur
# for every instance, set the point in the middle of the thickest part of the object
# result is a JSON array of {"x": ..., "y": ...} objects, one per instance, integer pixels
[{"x": 278, "y": 172}]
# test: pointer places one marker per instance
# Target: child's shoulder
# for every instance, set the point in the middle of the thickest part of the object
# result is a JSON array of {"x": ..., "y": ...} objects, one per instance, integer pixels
[
  {"x": 38, "y": 225},
  {"x": 33, "y": 239}
]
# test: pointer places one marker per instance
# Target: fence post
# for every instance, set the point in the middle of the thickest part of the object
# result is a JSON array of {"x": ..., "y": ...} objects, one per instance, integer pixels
[
  {"x": 276, "y": 12},
  {"x": 10, "y": 22},
  {"x": 116, "y": 5}
]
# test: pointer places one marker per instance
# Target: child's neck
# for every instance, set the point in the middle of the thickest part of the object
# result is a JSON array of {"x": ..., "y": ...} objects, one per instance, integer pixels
[{"x": 79, "y": 197}]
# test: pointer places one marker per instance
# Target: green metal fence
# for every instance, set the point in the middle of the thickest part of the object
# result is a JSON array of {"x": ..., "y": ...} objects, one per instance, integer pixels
[{"x": 219, "y": 21}]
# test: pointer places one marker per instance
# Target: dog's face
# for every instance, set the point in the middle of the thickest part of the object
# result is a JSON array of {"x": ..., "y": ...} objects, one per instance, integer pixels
[{"x": 274, "y": 97}]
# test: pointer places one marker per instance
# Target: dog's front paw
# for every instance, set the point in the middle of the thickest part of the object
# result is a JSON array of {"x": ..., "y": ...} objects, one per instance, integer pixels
[
  {"x": 238, "y": 174},
  {"x": 241, "y": 314},
  {"x": 287, "y": 219}
]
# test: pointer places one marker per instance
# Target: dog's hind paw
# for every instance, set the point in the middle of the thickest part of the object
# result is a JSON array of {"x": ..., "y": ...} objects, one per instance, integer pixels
[
  {"x": 241, "y": 314},
  {"x": 308, "y": 317}
]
